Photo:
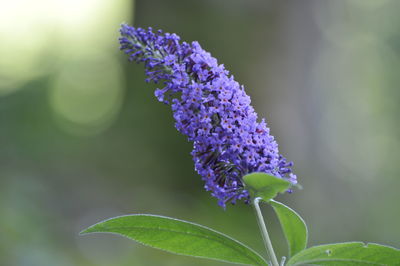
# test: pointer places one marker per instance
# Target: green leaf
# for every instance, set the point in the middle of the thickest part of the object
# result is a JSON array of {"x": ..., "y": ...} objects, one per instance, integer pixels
[
  {"x": 179, "y": 237},
  {"x": 350, "y": 253},
  {"x": 293, "y": 226},
  {"x": 264, "y": 185}
]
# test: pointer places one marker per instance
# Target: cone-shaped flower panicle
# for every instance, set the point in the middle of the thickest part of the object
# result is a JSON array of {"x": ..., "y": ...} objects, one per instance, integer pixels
[{"x": 211, "y": 109}]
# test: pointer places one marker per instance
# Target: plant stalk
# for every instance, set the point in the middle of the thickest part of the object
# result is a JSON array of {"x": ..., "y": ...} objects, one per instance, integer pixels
[{"x": 264, "y": 233}]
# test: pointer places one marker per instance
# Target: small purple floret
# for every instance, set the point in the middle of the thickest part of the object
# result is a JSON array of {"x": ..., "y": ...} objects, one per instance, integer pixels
[{"x": 211, "y": 109}]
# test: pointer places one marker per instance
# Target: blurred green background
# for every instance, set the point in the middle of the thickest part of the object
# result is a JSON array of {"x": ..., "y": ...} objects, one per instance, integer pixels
[{"x": 83, "y": 138}]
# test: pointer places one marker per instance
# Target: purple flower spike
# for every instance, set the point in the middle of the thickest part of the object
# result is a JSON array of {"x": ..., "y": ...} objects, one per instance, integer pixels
[{"x": 211, "y": 109}]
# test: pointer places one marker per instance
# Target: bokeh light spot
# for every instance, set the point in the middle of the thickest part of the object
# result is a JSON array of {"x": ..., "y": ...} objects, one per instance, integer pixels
[
  {"x": 37, "y": 36},
  {"x": 87, "y": 93}
]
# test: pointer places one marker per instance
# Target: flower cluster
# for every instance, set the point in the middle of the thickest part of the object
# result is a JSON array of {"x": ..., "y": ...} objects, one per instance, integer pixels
[{"x": 211, "y": 109}]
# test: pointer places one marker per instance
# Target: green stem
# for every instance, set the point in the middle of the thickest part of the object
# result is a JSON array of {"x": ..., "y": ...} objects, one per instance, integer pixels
[{"x": 264, "y": 233}]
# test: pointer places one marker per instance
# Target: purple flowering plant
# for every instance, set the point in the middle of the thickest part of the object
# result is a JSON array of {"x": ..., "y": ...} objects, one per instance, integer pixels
[{"x": 234, "y": 154}]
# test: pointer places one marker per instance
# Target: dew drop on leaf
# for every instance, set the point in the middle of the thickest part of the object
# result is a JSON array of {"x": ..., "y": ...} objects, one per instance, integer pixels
[{"x": 328, "y": 252}]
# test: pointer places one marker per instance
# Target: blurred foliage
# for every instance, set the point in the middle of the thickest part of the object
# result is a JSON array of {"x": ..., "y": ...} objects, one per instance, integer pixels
[{"x": 83, "y": 138}]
